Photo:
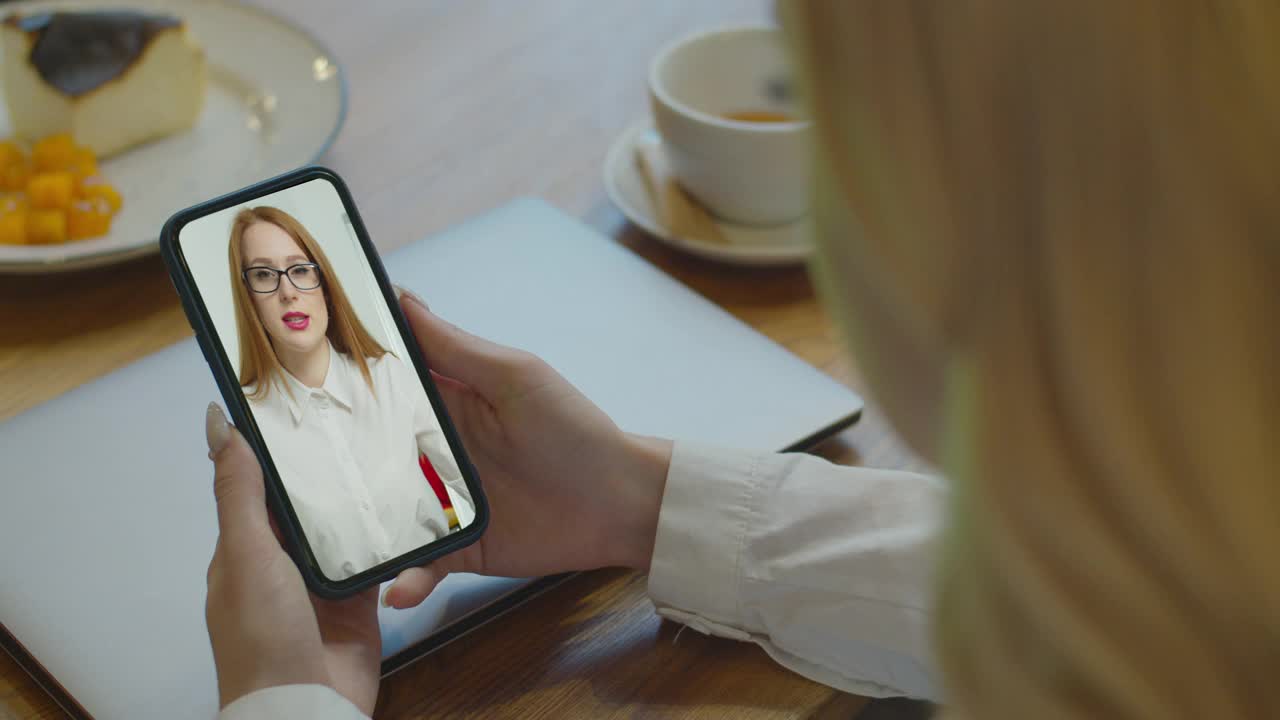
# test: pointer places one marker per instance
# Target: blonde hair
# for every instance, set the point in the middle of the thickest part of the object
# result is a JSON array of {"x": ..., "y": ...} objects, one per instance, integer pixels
[
  {"x": 1075, "y": 207},
  {"x": 258, "y": 361}
]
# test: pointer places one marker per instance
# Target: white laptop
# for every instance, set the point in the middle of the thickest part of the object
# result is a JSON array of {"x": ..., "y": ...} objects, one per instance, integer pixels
[{"x": 106, "y": 506}]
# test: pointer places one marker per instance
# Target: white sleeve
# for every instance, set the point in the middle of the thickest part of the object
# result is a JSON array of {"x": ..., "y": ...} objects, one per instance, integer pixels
[
  {"x": 432, "y": 443},
  {"x": 828, "y": 568},
  {"x": 287, "y": 702}
]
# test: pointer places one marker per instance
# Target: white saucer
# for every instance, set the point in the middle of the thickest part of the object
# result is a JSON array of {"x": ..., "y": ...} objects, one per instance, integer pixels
[
  {"x": 275, "y": 101},
  {"x": 760, "y": 246}
]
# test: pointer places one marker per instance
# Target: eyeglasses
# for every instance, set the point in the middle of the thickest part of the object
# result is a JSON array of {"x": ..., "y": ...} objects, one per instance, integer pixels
[{"x": 263, "y": 279}]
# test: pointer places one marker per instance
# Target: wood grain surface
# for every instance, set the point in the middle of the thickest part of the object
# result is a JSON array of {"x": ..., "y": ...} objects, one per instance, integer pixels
[{"x": 457, "y": 107}]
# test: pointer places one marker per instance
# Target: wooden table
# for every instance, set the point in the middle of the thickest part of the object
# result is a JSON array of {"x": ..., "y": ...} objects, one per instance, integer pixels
[{"x": 457, "y": 107}]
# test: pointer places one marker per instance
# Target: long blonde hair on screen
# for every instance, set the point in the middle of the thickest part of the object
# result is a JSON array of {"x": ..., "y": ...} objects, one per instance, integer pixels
[
  {"x": 259, "y": 366},
  {"x": 1077, "y": 205}
]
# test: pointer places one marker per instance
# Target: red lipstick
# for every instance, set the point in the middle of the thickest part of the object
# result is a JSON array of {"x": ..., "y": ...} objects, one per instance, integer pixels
[{"x": 296, "y": 320}]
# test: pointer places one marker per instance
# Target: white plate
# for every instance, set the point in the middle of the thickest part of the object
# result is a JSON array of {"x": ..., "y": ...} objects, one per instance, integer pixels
[
  {"x": 275, "y": 101},
  {"x": 761, "y": 246}
]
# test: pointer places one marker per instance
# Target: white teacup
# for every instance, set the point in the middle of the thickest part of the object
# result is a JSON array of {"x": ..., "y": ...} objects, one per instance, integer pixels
[{"x": 754, "y": 173}]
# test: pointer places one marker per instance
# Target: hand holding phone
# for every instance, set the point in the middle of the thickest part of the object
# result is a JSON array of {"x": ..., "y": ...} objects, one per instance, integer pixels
[
  {"x": 364, "y": 472},
  {"x": 570, "y": 490},
  {"x": 266, "y": 631}
]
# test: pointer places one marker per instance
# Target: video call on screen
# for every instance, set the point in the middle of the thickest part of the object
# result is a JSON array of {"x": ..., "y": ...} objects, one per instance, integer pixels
[{"x": 350, "y": 430}]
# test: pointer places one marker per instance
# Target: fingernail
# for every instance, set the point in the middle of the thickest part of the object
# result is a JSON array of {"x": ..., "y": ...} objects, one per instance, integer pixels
[
  {"x": 402, "y": 293},
  {"x": 384, "y": 602},
  {"x": 216, "y": 430}
]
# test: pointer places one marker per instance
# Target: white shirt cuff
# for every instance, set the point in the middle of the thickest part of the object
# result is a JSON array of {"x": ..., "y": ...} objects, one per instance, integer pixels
[
  {"x": 828, "y": 568},
  {"x": 287, "y": 702},
  {"x": 697, "y": 553}
]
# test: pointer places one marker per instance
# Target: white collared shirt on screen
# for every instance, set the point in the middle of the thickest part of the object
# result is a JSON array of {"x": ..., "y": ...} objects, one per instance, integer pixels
[{"x": 348, "y": 457}]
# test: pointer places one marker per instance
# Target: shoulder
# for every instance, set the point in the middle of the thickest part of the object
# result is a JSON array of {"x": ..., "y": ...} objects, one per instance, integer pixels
[
  {"x": 389, "y": 364},
  {"x": 388, "y": 371}
]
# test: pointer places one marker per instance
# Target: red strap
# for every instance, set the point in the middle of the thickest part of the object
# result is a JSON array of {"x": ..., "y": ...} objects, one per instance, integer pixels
[{"x": 433, "y": 479}]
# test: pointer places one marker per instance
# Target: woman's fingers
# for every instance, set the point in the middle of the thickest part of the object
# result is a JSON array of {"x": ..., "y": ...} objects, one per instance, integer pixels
[
  {"x": 486, "y": 366},
  {"x": 412, "y": 586},
  {"x": 237, "y": 484},
  {"x": 457, "y": 396}
]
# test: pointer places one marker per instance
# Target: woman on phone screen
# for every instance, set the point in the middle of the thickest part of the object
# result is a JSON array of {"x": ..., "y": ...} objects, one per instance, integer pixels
[{"x": 346, "y": 421}]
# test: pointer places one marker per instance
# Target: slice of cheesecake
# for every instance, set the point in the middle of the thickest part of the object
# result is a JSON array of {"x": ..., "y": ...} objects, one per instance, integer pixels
[{"x": 112, "y": 79}]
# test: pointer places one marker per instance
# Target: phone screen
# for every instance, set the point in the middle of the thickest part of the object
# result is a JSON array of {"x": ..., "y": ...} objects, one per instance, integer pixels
[{"x": 327, "y": 377}]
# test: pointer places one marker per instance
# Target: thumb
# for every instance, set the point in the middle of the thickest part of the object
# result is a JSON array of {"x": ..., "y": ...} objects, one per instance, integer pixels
[
  {"x": 454, "y": 353},
  {"x": 412, "y": 586},
  {"x": 237, "y": 480}
]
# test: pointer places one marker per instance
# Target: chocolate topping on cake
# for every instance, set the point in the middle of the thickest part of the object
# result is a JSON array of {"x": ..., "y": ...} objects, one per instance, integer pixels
[{"x": 76, "y": 52}]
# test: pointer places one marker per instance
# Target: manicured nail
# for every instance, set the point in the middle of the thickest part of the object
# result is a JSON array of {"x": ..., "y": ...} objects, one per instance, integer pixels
[
  {"x": 216, "y": 430},
  {"x": 402, "y": 293}
]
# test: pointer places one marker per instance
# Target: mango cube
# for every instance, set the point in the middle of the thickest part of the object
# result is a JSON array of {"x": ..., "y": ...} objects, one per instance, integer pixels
[
  {"x": 46, "y": 226},
  {"x": 96, "y": 187},
  {"x": 13, "y": 220},
  {"x": 13, "y": 229},
  {"x": 13, "y": 177},
  {"x": 10, "y": 153},
  {"x": 12, "y": 202},
  {"x": 54, "y": 153},
  {"x": 88, "y": 218},
  {"x": 50, "y": 190},
  {"x": 83, "y": 164}
]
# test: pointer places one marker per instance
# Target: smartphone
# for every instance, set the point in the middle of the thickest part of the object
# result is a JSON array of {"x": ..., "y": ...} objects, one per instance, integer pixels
[{"x": 365, "y": 474}]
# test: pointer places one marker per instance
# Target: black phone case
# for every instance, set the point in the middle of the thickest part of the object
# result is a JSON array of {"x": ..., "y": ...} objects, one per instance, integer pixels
[{"x": 197, "y": 314}]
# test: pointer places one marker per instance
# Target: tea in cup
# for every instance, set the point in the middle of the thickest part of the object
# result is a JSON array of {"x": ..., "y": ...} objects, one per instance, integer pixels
[{"x": 735, "y": 142}]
